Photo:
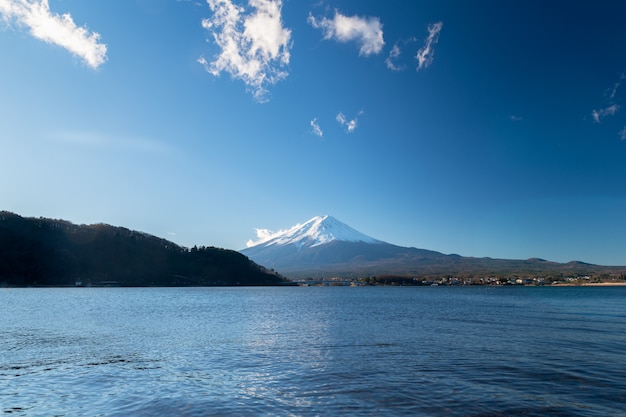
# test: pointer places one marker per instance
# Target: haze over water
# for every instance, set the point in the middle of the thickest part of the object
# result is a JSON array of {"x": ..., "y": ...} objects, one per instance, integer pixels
[{"x": 313, "y": 351}]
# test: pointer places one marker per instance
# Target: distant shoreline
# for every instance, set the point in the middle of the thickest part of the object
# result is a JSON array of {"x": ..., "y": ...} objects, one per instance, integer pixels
[
  {"x": 593, "y": 284},
  {"x": 295, "y": 284}
]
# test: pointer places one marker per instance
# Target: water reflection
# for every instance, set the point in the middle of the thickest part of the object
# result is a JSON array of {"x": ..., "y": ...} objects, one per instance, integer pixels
[{"x": 312, "y": 351}]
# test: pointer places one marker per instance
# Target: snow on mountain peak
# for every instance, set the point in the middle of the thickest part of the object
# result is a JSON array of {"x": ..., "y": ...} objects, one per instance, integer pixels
[{"x": 317, "y": 231}]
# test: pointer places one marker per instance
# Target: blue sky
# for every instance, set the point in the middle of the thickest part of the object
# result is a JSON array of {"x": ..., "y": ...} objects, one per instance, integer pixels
[{"x": 483, "y": 128}]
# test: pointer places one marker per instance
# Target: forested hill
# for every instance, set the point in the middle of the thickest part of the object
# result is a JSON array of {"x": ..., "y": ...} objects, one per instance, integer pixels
[{"x": 46, "y": 252}]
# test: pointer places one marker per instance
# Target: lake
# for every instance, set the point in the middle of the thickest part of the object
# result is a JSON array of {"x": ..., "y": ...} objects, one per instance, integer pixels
[{"x": 308, "y": 351}]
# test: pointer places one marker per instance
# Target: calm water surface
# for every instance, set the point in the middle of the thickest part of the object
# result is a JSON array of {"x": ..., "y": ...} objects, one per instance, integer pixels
[{"x": 443, "y": 351}]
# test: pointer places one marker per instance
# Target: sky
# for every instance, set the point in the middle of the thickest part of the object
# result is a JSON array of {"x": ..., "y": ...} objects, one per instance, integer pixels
[{"x": 482, "y": 128}]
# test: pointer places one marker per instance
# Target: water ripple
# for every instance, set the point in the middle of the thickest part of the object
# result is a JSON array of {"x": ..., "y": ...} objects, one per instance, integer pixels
[{"x": 309, "y": 352}]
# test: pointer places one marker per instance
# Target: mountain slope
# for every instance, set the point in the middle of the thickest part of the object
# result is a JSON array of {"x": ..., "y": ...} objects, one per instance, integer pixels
[
  {"x": 325, "y": 247},
  {"x": 55, "y": 252}
]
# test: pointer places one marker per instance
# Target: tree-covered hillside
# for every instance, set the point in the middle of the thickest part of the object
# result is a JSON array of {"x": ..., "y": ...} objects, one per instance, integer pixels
[{"x": 40, "y": 252}]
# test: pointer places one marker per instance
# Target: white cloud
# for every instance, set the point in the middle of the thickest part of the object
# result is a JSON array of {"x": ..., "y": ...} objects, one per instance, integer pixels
[
  {"x": 393, "y": 55},
  {"x": 263, "y": 235},
  {"x": 515, "y": 118},
  {"x": 612, "y": 108},
  {"x": 425, "y": 55},
  {"x": 395, "y": 61},
  {"x": 317, "y": 130},
  {"x": 56, "y": 29},
  {"x": 613, "y": 91},
  {"x": 366, "y": 32},
  {"x": 598, "y": 115},
  {"x": 350, "y": 125},
  {"x": 254, "y": 45}
]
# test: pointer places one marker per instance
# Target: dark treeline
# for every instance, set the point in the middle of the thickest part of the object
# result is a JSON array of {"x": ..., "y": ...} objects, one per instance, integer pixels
[{"x": 46, "y": 252}]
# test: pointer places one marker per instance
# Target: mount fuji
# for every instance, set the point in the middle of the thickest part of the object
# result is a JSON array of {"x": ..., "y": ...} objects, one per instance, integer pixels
[
  {"x": 325, "y": 247},
  {"x": 318, "y": 231}
]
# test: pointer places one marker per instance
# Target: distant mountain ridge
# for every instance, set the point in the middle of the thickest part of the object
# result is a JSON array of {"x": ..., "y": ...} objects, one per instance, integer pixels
[
  {"x": 41, "y": 252},
  {"x": 325, "y": 247}
]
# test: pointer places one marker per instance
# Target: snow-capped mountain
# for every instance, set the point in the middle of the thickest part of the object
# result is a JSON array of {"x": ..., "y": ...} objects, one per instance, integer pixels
[
  {"x": 324, "y": 246},
  {"x": 318, "y": 231}
]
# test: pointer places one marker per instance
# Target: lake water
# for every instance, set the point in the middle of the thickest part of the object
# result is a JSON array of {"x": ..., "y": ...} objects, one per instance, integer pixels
[{"x": 419, "y": 351}]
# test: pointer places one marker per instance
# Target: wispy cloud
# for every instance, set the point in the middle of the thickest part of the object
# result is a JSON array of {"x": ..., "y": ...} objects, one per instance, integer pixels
[
  {"x": 515, "y": 118},
  {"x": 254, "y": 44},
  {"x": 395, "y": 61},
  {"x": 349, "y": 124},
  {"x": 425, "y": 54},
  {"x": 101, "y": 141},
  {"x": 611, "y": 93},
  {"x": 598, "y": 115},
  {"x": 56, "y": 29},
  {"x": 367, "y": 32},
  {"x": 317, "y": 130},
  {"x": 393, "y": 56},
  {"x": 612, "y": 107}
]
